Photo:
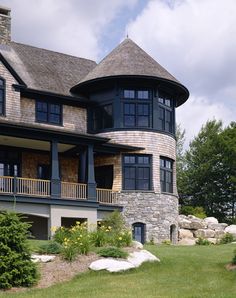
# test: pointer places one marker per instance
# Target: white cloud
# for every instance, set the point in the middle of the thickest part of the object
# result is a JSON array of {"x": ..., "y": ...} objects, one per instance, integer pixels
[
  {"x": 71, "y": 26},
  {"x": 195, "y": 41}
]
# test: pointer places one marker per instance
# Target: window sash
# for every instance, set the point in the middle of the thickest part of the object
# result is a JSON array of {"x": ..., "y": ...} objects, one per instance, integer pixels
[
  {"x": 166, "y": 175},
  {"x": 48, "y": 113}
]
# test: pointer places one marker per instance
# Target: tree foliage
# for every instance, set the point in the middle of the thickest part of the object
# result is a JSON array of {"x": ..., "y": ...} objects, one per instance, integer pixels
[{"x": 209, "y": 171}]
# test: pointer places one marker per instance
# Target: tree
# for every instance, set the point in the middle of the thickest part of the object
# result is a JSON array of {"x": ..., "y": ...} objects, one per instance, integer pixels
[{"x": 210, "y": 170}]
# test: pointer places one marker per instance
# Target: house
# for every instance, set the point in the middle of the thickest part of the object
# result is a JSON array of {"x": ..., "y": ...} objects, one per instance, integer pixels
[{"x": 79, "y": 140}]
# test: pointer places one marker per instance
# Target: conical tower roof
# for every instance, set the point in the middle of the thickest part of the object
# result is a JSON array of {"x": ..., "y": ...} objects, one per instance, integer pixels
[{"x": 128, "y": 59}]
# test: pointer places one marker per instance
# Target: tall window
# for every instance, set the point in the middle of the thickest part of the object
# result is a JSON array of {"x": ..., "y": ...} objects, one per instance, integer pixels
[
  {"x": 2, "y": 97},
  {"x": 136, "y": 108},
  {"x": 166, "y": 173},
  {"x": 103, "y": 117},
  {"x": 165, "y": 114},
  {"x": 48, "y": 112},
  {"x": 137, "y": 172}
]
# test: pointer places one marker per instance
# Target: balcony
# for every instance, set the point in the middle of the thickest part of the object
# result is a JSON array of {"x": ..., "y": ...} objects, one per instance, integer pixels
[{"x": 42, "y": 188}]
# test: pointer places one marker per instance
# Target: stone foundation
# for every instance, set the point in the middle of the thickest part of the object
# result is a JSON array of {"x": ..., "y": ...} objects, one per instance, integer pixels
[{"x": 159, "y": 213}]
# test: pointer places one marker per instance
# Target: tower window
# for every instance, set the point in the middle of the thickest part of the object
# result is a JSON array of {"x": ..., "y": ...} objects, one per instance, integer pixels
[
  {"x": 2, "y": 97},
  {"x": 165, "y": 114},
  {"x": 166, "y": 173}
]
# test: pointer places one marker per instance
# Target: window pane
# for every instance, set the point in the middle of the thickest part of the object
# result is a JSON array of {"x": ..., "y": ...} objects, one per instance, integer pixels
[
  {"x": 55, "y": 109},
  {"x": 129, "y": 184},
  {"x": 129, "y": 159},
  {"x": 143, "y": 94},
  {"x": 1, "y": 95},
  {"x": 41, "y": 116},
  {"x": 42, "y": 106},
  {"x": 129, "y": 121},
  {"x": 161, "y": 100},
  {"x": 129, "y": 94},
  {"x": 1, "y": 108},
  {"x": 54, "y": 118},
  {"x": 143, "y": 109},
  {"x": 143, "y": 185},
  {"x": 167, "y": 102},
  {"x": 161, "y": 117},
  {"x": 129, "y": 109},
  {"x": 1, "y": 83},
  {"x": 130, "y": 172},
  {"x": 107, "y": 116},
  {"x": 143, "y": 121}
]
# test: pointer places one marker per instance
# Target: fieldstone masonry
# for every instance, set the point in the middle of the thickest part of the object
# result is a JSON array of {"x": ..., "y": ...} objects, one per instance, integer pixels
[{"x": 157, "y": 211}]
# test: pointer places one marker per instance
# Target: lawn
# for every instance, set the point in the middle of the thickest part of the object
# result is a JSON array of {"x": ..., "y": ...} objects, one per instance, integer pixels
[{"x": 197, "y": 271}]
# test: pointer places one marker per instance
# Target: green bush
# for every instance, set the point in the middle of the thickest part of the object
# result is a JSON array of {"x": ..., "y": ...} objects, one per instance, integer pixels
[
  {"x": 202, "y": 241},
  {"x": 113, "y": 252},
  {"x": 166, "y": 242},
  {"x": 100, "y": 237},
  {"x": 234, "y": 258},
  {"x": 227, "y": 238},
  {"x": 115, "y": 220},
  {"x": 196, "y": 211},
  {"x": 60, "y": 234},
  {"x": 51, "y": 247},
  {"x": 16, "y": 266}
]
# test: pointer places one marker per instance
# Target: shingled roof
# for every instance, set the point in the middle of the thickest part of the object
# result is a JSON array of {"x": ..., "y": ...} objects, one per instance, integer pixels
[
  {"x": 46, "y": 70},
  {"x": 128, "y": 59}
]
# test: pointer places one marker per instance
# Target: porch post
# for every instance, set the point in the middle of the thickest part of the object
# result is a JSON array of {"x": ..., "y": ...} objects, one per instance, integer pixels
[
  {"x": 82, "y": 165},
  {"x": 55, "y": 177},
  {"x": 91, "y": 183}
]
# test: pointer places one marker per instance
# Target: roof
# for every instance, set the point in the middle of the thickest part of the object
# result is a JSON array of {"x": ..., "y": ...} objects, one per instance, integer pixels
[
  {"x": 128, "y": 59},
  {"x": 46, "y": 70}
]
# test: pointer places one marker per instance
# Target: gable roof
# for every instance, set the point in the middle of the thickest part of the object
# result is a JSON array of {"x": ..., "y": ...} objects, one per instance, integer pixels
[{"x": 46, "y": 70}]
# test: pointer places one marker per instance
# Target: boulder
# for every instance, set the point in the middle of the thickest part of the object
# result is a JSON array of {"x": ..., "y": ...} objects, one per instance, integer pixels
[
  {"x": 219, "y": 227},
  {"x": 187, "y": 241},
  {"x": 137, "y": 245},
  {"x": 184, "y": 223},
  {"x": 183, "y": 233},
  {"x": 138, "y": 257},
  {"x": 231, "y": 229},
  {"x": 110, "y": 265},
  {"x": 212, "y": 240},
  {"x": 204, "y": 233},
  {"x": 219, "y": 234},
  {"x": 197, "y": 224},
  {"x": 42, "y": 258},
  {"x": 211, "y": 220}
]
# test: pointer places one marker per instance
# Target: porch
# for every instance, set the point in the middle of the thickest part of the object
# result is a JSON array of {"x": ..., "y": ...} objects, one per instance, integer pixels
[{"x": 42, "y": 188}]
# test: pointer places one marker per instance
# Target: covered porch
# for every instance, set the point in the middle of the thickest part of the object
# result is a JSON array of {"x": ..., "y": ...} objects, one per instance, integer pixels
[{"x": 43, "y": 163}]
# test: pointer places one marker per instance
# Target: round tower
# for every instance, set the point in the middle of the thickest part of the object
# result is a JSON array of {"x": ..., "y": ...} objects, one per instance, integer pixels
[{"x": 133, "y": 101}]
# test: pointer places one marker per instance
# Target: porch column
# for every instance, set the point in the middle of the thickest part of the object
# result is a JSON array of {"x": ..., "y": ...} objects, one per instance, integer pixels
[
  {"x": 55, "y": 177},
  {"x": 82, "y": 165},
  {"x": 91, "y": 183}
]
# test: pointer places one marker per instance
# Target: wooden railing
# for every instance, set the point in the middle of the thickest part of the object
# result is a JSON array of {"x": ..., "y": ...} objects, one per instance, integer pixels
[
  {"x": 106, "y": 196},
  {"x": 42, "y": 188},
  {"x": 33, "y": 187},
  {"x": 6, "y": 184},
  {"x": 71, "y": 190}
]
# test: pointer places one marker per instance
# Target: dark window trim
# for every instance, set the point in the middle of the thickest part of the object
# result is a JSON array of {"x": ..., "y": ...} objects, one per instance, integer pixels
[
  {"x": 101, "y": 110},
  {"x": 166, "y": 170},
  {"x": 167, "y": 108},
  {"x": 48, "y": 113},
  {"x": 136, "y": 165},
  {"x": 3, "y": 112}
]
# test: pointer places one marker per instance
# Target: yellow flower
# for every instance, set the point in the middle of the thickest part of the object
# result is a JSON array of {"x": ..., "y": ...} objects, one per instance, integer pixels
[
  {"x": 107, "y": 230},
  {"x": 120, "y": 238},
  {"x": 78, "y": 222},
  {"x": 53, "y": 229}
]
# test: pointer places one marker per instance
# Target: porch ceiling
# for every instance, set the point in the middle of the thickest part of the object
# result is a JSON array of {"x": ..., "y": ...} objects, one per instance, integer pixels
[{"x": 31, "y": 144}]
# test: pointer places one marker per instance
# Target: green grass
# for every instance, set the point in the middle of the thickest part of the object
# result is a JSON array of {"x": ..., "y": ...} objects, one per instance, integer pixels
[
  {"x": 35, "y": 244},
  {"x": 197, "y": 271}
]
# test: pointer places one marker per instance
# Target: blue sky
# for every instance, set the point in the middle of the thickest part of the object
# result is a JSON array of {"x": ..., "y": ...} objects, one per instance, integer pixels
[{"x": 193, "y": 39}]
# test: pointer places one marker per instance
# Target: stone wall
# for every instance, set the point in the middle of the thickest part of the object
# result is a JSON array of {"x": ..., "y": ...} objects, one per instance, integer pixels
[
  {"x": 157, "y": 211},
  {"x": 5, "y": 25},
  {"x": 156, "y": 144}
]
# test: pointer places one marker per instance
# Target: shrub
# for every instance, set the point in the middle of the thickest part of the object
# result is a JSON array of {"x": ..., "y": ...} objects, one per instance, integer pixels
[
  {"x": 166, "y": 242},
  {"x": 16, "y": 266},
  {"x": 100, "y": 237},
  {"x": 234, "y": 258},
  {"x": 196, "y": 211},
  {"x": 60, "y": 234},
  {"x": 227, "y": 238},
  {"x": 115, "y": 220},
  {"x": 113, "y": 252},
  {"x": 51, "y": 247},
  {"x": 202, "y": 241}
]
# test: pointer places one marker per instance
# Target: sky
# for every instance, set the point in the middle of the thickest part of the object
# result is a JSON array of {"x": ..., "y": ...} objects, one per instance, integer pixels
[{"x": 195, "y": 40}]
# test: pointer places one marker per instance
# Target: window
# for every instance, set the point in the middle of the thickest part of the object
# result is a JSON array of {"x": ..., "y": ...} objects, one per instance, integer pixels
[
  {"x": 2, "y": 97},
  {"x": 103, "y": 117},
  {"x": 166, "y": 173},
  {"x": 165, "y": 114},
  {"x": 136, "y": 108},
  {"x": 48, "y": 112},
  {"x": 137, "y": 172}
]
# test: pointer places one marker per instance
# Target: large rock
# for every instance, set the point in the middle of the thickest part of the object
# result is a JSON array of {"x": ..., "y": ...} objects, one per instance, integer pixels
[
  {"x": 183, "y": 233},
  {"x": 204, "y": 233},
  {"x": 219, "y": 234},
  {"x": 219, "y": 227},
  {"x": 138, "y": 257},
  {"x": 231, "y": 229},
  {"x": 197, "y": 224},
  {"x": 184, "y": 223},
  {"x": 187, "y": 241},
  {"x": 137, "y": 245},
  {"x": 211, "y": 220},
  {"x": 42, "y": 258},
  {"x": 111, "y": 265},
  {"x": 212, "y": 240}
]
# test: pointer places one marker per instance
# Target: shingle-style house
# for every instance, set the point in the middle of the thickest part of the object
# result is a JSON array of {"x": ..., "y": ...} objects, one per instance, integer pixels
[{"x": 79, "y": 139}]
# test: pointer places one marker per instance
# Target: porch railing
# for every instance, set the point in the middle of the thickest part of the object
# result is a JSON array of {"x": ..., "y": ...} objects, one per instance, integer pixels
[
  {"x": 6, "y": 184},
  {"x": 71, "y": 190},
  {"x": 106, "y": 196},
  {"x": 42, "y": 188},
  {"x": 33, "y": 187}
]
